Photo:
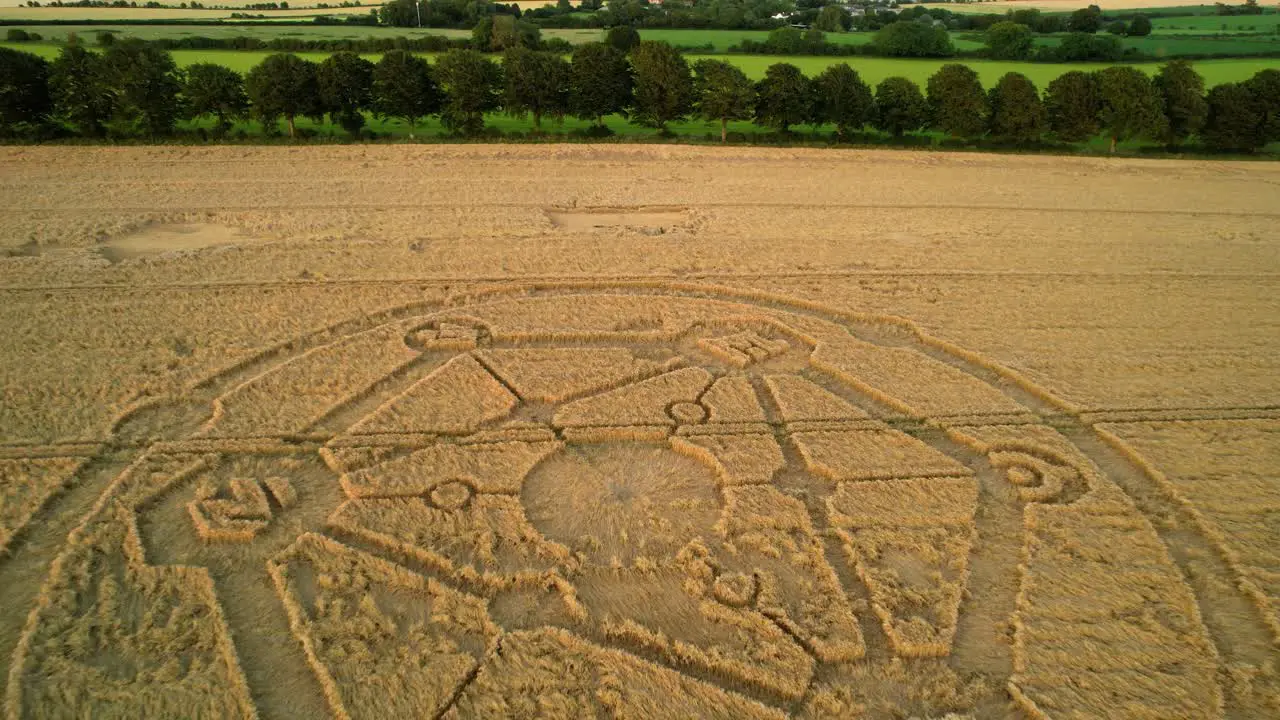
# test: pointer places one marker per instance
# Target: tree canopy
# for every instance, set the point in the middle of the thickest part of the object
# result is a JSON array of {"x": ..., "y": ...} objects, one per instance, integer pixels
[
  {"x": 1182, "y": 98},
  {"x": 472, "y": 85},
  {"x": 1017, "y": 114},
  {"x": 900, "y": 107},
  {"x": 217, "y": 90},
  {"x": 284, "y": 85},
  {"x": 722, "y": 92},
  {"x": 600, "y": 82},
  {"x": 1008, "y": 41},
  {"x": 404, "y": 87},
  {"x": 784, "y": 97},
  {"x": 537, "y": 84},
  {"x": 346, "y": 89},
  {"x": 663, "y": 85},
  {"x": 1129, "y": 105},
  {"x": 843, "y": 99},
  {"x": 1072, "y": 105},
  {"x": 957, "y": 102}
]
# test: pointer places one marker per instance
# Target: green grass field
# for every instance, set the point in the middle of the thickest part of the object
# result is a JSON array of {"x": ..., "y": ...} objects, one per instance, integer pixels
[
  {"x": 873, "y": 70},
  {"x": 1212, "y": 24}
]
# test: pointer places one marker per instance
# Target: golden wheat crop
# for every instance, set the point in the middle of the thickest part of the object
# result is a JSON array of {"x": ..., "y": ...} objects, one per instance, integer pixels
[{"x": 373, "y": 431}]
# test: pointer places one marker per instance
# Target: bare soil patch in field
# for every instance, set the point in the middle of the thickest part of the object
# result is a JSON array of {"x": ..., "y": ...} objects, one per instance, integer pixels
[{"x": 448, "y": 431}]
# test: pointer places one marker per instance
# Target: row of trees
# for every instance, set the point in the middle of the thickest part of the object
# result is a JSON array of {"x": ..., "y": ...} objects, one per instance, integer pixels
[{"x": 134, "y": 89}]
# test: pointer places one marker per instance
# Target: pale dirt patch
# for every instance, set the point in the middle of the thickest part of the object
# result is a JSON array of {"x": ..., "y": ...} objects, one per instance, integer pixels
[
  {"x": 167, "y": 239},
  {"x": 647, "y": 221}
]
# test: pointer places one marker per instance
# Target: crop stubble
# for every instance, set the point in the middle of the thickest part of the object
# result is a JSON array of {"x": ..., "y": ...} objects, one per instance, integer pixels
[{"x": 395, "y": 440}]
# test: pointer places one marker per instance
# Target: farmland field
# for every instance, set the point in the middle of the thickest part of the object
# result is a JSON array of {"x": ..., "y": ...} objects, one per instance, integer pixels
[{"x": 637, "y": 431}]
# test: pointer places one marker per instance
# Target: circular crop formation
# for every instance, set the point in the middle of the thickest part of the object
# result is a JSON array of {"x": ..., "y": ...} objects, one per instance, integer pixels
[{"x": 614, "y": 502}]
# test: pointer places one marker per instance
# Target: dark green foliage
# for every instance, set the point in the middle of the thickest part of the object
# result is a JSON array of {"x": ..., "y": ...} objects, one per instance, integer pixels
[
  {"x": 346, "y": 89},
  {"x": 1017, "y": 114},
  {"x": 1117, "y": 27},
  {"x": 17, "y": 35},
  {"x": 146, "y": 84},
  {"x": 1085, "y": 20},
  {"x": 1140, "y": 26},
  {"x": 217, "y": 90},
  {"x": 1072, "y": 105},
  {"x": 24, "y": 91},
  {"x": 403, "y": 87},
  {"x": 783, "y": 98},
  {"x": 537, "y": 83},
  {"x": 1265, "y": 86},
  {"x": 957, "y": 102},
  {"x": 284, "y": 85},
  {"x": 833, "y": 18},
  {"x": 495, "y": 33},
  {"x": 786, "y": 40},
  {"x": 622, "y": 38},
  {"x": 81, "y": 96},
  {"x": 1181, "y": 92},
  {"x": 1234, "y": 121},
  {"x": 722, "y": 92},
  {"x": 900, "y": 107},
  {"x": 914, "y": 39},
  {"x": 472, "y": 85},
  {"x": 1008, "y": 41},
  {"x": 600, "y": 82},
  {"x": 663, "y": 84},
  {"x": 843, "y": 99},
  {"x": 1129, "y": 105},
  {"x": 1083, "y": 47}
]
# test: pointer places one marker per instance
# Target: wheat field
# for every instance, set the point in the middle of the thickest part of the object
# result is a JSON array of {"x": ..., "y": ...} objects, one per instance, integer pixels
[{"x": 637, "y": 432}]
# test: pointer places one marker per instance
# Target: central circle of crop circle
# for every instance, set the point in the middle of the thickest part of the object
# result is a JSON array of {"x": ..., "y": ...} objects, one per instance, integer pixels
[{"x": 619, "y": 502}]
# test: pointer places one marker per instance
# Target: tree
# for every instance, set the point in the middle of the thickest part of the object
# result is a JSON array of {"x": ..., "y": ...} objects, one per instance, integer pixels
[
  {"x": 24, "y": 91},
  {"x": 1140, "y": 26},
  {"x": 217, "y": 90},
  {"x": 146, "y": 84},
  {"x": 1265, "y": 86},
  {"x": 1129, "y": 106},
  {"x": 913, "y": 39},
  {"x": 400, "y": 13},
  {"x": 1085, "y": 20},
  {"x": 1080, "y": 47},
  {"x": 346, "y": 89},
  {"x": 957, "y": 102},
  {"x": 403, "y": 87},
  {"x": 1008, "y": 41},
  {"x": 722, "y": 92},
  {"x": 1234, "y": 120},
  {"x": 499, "y": 32},
  {"x": 1117, "y": 27},
  {"x": 622, "y": 38},
  {"x": 1181, "y": 92},
  {"x": 843, "y": 99},
  {"x": 833, "y": 18},
  {"x": 79, "y": 91},
  {"x": 537, "y": 83},
  {"x": 785, "y": 40},
  {"x": 599, "y": 82},
  {"x": 284, "y": 85},
  {"x": 1017, "y": 114},
  {"x": 1072, "y": 105},
  {"x": 472, "y": 85},
  {"x": 663, "y": 84},
  {"x": 900, "y": 107},
  {"x": 784, "y": 97}
]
